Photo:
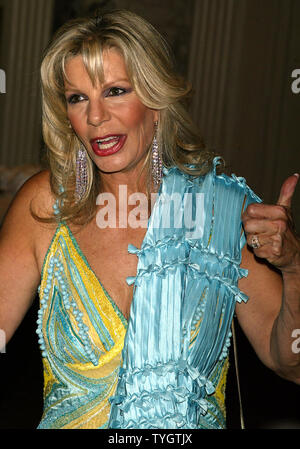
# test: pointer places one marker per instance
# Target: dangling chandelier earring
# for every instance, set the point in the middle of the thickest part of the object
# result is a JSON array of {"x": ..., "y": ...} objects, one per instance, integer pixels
[
  {"x": 156, "y": 160},
  {"x": 81, "y": 174}
]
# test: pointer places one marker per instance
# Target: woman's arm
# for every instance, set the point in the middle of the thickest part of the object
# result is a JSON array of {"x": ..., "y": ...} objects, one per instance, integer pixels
[
  {"x": 19, "y": 270},
  {"x": 272, "y": 315}
]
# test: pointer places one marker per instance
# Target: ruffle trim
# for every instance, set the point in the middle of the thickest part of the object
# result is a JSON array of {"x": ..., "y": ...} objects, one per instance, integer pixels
[
  {"x": 181, "y": 240},
  {"x": 162, "y": 369},
  {"x": 147, "y": 400},
  {"x": 239, "y": 296},
  {"x": 153, "y": 423},
  {"x": 196, "y": 271}
]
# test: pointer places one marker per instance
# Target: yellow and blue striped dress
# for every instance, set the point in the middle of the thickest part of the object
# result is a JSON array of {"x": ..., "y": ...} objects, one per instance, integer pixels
[{"x": 81, "y": 333}]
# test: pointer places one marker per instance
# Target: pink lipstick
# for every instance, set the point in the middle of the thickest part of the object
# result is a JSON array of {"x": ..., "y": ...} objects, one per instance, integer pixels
[{"x": 107, "y": 145}]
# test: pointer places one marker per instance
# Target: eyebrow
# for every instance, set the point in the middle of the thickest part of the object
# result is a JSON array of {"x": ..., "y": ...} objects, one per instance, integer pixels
[
  {"x": 120, "y": 80},
  {"x": 70, "y": 86}
]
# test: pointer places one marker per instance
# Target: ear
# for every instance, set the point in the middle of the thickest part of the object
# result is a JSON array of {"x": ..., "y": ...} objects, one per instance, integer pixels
[{"x": 155, "y": 115}]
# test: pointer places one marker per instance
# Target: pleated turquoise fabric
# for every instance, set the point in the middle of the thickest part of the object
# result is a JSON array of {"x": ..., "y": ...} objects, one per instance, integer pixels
[{"x": 185, "y": 291}]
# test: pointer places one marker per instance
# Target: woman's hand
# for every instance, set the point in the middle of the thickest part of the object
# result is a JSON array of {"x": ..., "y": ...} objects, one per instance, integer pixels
[
  {"x": 271, "y": 232},
  {"x": 272, "y": 314}
]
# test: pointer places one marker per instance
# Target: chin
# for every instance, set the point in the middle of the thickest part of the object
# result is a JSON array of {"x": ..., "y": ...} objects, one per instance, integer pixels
[{"x": 117, "y": 165}]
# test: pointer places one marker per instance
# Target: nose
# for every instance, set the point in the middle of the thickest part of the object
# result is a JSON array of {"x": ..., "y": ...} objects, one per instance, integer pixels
[{"x": 97, "y": 113}]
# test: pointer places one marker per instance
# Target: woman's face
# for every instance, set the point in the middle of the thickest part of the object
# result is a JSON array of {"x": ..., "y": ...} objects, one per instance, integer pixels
[{"x": 109, "y": 119}]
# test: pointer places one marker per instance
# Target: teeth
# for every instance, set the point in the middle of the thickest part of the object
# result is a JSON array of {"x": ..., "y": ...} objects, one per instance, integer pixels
[
  {"x": 107, "y": 139},
  {"x": 111, "y": 141},
  {"x": 106, "y": 146}
]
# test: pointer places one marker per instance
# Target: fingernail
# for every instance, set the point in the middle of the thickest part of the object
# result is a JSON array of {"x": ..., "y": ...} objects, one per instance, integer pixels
[{"x": 296, "y": 174}]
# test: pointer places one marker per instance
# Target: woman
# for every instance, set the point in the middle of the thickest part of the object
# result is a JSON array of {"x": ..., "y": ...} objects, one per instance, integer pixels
[{"x": 151, "y": 352}]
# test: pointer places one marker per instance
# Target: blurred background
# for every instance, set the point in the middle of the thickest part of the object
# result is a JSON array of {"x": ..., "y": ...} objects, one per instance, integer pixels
[{"x": 240, "y": 56}]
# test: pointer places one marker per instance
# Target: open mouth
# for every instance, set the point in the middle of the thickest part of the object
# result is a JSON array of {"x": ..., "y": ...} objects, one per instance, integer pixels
[{"x": 104, "y": 146}]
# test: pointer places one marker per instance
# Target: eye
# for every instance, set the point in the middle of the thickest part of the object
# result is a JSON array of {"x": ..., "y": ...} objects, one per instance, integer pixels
[
  {"x": 75, "y": 98},
  {"x": 116, "y": 92}
]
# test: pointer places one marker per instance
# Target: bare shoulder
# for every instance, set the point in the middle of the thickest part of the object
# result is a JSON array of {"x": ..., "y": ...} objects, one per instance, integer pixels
[
  {"x": 34, "y": 195},
  {"x": 36, "y": 191},
  {"x": 23, "y": 244},
  {"x": 34, "y": 199}
]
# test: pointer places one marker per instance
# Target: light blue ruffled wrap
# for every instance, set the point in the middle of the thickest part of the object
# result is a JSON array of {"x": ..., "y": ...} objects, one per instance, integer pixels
[{"x": 184, "y": 298}]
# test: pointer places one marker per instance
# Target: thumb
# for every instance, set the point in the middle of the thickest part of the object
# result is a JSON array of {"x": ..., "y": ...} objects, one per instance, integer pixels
[{"x": 287, "y": 191}]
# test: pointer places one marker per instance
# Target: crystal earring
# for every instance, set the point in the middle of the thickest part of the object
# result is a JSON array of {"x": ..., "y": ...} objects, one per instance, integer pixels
[
  {"x": 156, "y": 159},
  {"x": 81, "y": 174}
]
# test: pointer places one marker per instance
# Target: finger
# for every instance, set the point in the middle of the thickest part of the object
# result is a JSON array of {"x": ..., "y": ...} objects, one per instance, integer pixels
[
  {"x": 287, "y": 190},
  {"x": 269, "y": 247},
  {"x": 277, "y": 245},
  {"x": 264, "y": 211},
  {"x": 263, "y": 240},
  {"x": 262, "y": 226}
]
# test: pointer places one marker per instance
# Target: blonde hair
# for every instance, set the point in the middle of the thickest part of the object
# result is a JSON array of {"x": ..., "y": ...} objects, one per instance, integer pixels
[{"x": 151, "y": 72}]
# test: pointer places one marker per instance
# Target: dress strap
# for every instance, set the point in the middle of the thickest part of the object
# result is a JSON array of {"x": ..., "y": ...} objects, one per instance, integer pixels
[{"x": 56, "y": 208}]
